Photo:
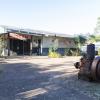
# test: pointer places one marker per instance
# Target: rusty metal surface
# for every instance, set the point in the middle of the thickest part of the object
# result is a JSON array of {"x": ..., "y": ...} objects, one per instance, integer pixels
[
  {"x": 94, "y": 68},
  {"x": 98, "y": 70},
  {"x": 89, "y": 65}
]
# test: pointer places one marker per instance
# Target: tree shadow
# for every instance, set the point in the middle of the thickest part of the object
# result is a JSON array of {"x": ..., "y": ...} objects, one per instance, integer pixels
[
  {"x": 21, "y": 77},
  {"x": 29, "y": 81}
]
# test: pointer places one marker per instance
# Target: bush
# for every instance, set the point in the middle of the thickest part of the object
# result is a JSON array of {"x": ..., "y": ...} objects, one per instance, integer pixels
[
  {"x": 72, "y": 52},
  {"x": 54, "y": 55}
]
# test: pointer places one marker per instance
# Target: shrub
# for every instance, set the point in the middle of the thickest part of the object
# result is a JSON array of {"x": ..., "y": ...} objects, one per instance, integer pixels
[
  {"x": 72, "y": 52},
  {"x": 54, "y": 55}
]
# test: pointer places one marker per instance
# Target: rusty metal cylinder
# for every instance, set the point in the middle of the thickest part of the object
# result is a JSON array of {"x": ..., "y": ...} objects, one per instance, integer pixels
[
  {"x": 90, "y": 51},
  {"x": 95, "y": 69}
]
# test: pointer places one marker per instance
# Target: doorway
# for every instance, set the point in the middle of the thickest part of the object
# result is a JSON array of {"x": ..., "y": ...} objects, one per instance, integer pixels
[{"x": 20, "y": 47}]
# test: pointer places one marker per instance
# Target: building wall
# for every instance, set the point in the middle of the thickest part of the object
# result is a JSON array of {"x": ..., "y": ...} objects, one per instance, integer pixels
[
  {"x": 60, "y": 42},
  {"x": 46, "y": 42},
  {"x": 66, "y": 43}
]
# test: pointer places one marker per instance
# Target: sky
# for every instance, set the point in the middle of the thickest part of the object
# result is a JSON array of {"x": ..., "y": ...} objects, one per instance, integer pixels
[{"x": 60, "y": 16}]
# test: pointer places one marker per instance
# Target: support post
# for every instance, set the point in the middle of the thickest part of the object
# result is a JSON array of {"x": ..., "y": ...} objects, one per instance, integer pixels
[
  {"x": 31, "y": 46},
  {"x": 8, "y": 45},
  {"x": 41, "y": 47},
  {"x": 23, "y": 47}
]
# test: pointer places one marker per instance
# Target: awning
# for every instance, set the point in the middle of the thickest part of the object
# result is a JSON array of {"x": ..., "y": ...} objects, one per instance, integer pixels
[{"x": 19, "y": 36}]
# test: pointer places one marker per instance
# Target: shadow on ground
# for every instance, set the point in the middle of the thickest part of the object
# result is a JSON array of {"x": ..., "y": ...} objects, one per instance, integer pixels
[{"x": 27, "y": 81}]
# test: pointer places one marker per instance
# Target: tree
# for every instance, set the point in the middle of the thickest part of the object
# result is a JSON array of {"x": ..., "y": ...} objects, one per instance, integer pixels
[
  {"x": 80, "y": 40},
  {"x": 93, "y": 38},
  {"x": 97, "y": 28},
  {"x": 96, "y": 36}
]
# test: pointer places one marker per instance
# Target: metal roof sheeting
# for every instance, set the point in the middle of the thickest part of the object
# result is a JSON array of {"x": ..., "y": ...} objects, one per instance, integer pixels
[{"x": 6, "y": 29}]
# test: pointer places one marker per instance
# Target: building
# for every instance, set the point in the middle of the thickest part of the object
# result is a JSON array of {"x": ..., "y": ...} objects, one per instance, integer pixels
[{"x": 17, "y": 41}]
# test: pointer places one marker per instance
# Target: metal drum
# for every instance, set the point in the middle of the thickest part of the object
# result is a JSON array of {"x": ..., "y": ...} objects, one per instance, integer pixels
[{"x": 95, "y": 69}]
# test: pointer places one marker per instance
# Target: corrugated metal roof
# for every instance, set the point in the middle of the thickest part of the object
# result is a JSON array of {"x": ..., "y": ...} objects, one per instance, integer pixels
[{"x": 32, "y": 32}]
